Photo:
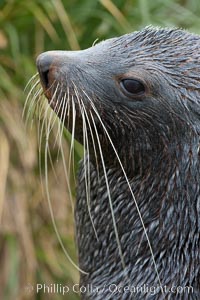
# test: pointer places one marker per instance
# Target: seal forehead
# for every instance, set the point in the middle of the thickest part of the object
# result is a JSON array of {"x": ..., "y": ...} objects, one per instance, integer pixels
[
  {"x": 155, "y": 42},
  {"x": 173, "y": 53}
]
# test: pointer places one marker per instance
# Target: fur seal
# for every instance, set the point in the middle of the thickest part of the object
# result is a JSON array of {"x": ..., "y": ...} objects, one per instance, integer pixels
[{"x": 134, "y": 101}]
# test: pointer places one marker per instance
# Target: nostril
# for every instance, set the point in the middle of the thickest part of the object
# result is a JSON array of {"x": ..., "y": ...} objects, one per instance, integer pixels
[
  {"x": 45, "y": 79},
  {"x": 44, "y": 62}
]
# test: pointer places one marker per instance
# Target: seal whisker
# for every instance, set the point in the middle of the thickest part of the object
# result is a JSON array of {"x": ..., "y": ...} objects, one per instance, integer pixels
[
  {"x": 43, "y": 104},
  {"x": 31, "y": 80},
  {"x": 61, "y": 120},
  {"x": 51, "y": 210},
  {"x": 71, "y": 151},
  {"x": 59, "y": 137},
  {"x": 92, "y": 138},
  {"x": 109, "y": 195},
  {"x": 58, "y": 111},
  {"x": 60, "y": 149},
  {"x": 31, "y": 90},
  {"x": 85, "y": 154},
  {"x": 134, "y": 199},
  {"x": 42, "y": 125},
  {"x": 30, "y": 99},
  {"x": 86, "y": 158},
  {"x": 56, "y": 103},
  {"x": 90, "y": 128},
  {"x": 68, "y": 111},
  {"x": 33, "y": 102},
  {"x": 44, "y": 108},
  {"x": 47, "y": 124},
  {"x": 66, "y": 172},
  {"x": 66, "y": 104},
  {"x": 50, "y": 125},
  {"x": 48, "y": 129}
]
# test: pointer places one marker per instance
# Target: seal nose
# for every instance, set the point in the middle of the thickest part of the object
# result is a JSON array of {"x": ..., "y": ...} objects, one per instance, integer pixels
[{"x": 44, "y": 62}]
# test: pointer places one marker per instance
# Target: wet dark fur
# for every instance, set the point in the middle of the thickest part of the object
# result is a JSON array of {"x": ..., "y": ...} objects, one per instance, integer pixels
[{"x": 157, "y": 137}]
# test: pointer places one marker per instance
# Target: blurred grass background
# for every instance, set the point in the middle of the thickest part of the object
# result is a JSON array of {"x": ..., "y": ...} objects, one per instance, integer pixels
[{"x": 29, "y": 250}]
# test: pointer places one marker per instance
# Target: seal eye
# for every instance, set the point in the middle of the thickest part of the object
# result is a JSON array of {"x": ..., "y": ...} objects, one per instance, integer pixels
[{"x": 133, "y": 86}]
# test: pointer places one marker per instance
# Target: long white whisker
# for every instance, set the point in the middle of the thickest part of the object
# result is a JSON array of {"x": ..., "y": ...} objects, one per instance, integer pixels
[
  {"x": 33, "y": 102},
  {"x": 51, "y": 210},
  {"x": 59, "y": 136},
  {"x": 46, "y": 111},
  {"x": 30, "y": 92},
  {"x": 92, "y": 137},
  {"x": 65, "y": 167},
  {"x": 72, "y": 135},
  {"x": 109, "y": 195},
  {"x": 62, "y": 119},
  {"x": 66, "y": 104},
  {"x": 126, "y": 178},
  {"x": 29, "y": 95},
  {"x": 86, "y": 150},
  {"x": 87, "y": 168},
  {"x": 67, "y": 177},
  {"x": 56, "y": 111},
  {"x": 50, "y": 127},
  {"x": 59, "y": 120},
  {"x": 90, "y": 128},
  {"x": 30, "y": 80}
]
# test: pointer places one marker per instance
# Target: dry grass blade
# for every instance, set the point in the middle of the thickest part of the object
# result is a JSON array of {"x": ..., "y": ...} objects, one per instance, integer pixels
[
  {"x": 116, "y": 13},
  {"x": 50, "y": 204},
  {"x": 4, "y": 163},
  {"x": 66, "y": 24},
  {"x": 43, "y": 19}
]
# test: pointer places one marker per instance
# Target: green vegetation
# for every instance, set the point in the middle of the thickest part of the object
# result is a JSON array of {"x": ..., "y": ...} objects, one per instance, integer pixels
[{"x": 29, "y": 250}]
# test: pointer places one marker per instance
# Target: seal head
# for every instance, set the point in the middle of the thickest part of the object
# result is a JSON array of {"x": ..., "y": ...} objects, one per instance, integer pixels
[{"x": 138, "y": 97}]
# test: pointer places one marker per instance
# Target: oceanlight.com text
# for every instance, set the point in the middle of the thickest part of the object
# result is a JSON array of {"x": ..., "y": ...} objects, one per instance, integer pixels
[{"x": 112, "y": 289}]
